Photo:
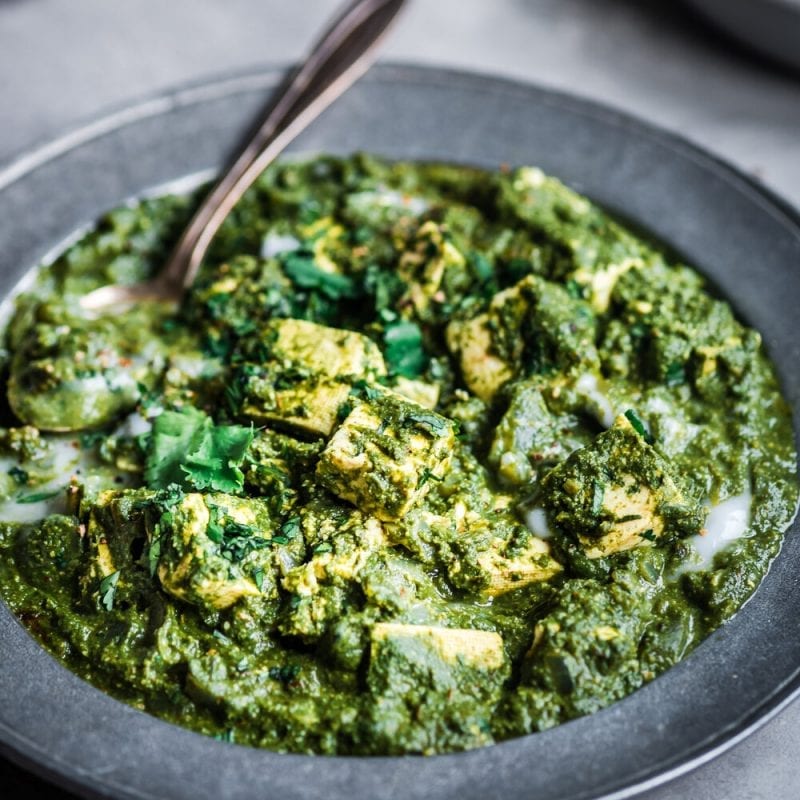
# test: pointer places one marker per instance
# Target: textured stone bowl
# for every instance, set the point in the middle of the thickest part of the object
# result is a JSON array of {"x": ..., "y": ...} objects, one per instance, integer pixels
[{"x": 744, "y": 239}]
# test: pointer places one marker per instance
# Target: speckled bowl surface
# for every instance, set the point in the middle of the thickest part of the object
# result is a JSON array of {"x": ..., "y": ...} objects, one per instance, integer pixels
[{"x": 739, "y": 235}]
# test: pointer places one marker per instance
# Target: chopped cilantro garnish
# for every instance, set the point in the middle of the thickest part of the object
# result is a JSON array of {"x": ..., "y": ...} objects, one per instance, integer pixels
[
  {"x": 362, "y": 389},
  {"x": 386, "y": 288},
  {"x": 598, "y": 492},
  {"x": 285, "y": 674},
  {"x": 425, "y": 476},
  {"x": 37, "y": 497},
  {"x": 481, "y": 266},
  {"x": 323, "y": 547},
  {"x": 108, "y": 589},
  {"x": 186, "y": 448},
  {"x": 517, "y": 269},
  {"x": 219, "y": 344},
  {"x": 300, "y": 267},
  {"x": 638, "y": 426},
  {"x": 429, "y": 421},
  {"x": 574, "y": 289},
  {"x": 153, "y": 554},
  {"x": 291, "y": 528},
  {"x": 675, "y": 374},
  {"x": 233, "y": 395},
  {"x": 404, "y": 352},
  {"x": 89, "y": 439},
  {"x": 236, "y": 539},
  {"x": 258, "y": 578},
  {"x": 648, "y": 534},
  {"x": 19, "y": 475},
  {"x": 343, "y": 411}
]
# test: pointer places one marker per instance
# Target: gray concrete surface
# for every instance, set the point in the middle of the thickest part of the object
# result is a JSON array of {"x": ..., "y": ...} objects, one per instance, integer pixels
[{"x": 64, "y": 62}]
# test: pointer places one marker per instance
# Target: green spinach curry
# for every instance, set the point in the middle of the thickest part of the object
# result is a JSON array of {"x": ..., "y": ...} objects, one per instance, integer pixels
[{"x": 429, "y": 458}]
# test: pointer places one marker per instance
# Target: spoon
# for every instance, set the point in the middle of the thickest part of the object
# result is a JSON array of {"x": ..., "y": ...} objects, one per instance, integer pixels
[{"x": 343, "y": 53}]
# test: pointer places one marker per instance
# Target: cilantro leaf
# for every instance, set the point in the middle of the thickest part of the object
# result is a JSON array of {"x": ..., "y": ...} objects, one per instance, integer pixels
[
  {"x": 362, "y": 389},
  {"x": 429, "y": 421},
  {"x": 19, "y": 475},
  {"x": 258, "y": 578},
  {"x": 598, "y": 493},
  {"x": 425, "y": 476},
  {"x": 186, "y": 448},
  {"x": 291, "y": 528},
  {"x": 675, "y": 374},
  {"x": 38, "y": 497},
  {"x": 299, "y": 265},
  {"x": 236, "y": 539},
  {"x": 153, "y": 555},
  {"x": 404, "y": 352},
  {"x": 285, "y": 674},
  {"x": 638, "y": 426},
  {"x": 108, "y": 588}
]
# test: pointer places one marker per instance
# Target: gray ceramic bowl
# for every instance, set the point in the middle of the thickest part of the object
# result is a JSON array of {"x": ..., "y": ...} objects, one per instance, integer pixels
[{"x": 745, "y": 240}]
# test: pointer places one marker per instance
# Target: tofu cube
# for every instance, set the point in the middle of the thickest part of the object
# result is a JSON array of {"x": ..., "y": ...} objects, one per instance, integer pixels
[
  {"x": 306, "y": 375},
  {"x": 439, "y": 686},
  {"x": 618, "y": 493},
  {"x": 115, "y": 523},
  {"x": 385, "y": 455},
  {"x": 420, "y": 392},
  {"x": 203, "y": 549},
  {"x": 533, "y": 564},
  {"x": 485, "y": 363},
  {"x": 532, "y": 327},
  {"x": 479, "y": 650}
]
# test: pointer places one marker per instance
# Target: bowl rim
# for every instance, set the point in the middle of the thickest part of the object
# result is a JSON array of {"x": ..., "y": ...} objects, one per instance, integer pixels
[{"x": 27, "y": 752}]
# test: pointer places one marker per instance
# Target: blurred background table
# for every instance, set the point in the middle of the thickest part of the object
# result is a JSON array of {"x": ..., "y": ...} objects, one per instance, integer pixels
[{"x": 62, "y": 63}]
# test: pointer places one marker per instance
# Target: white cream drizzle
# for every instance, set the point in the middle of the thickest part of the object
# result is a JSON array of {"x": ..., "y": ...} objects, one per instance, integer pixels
[
  {"x": 66, "y": 459},
  {"x": 536, "y": 520},
  {"x": 726, "y": 522},
  {"x": 276, "y": 243},
  {"x": 588, "y": 386}
]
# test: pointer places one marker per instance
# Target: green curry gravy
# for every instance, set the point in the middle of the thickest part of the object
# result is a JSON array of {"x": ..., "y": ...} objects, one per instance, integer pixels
[{"x": 429, "y": 458}]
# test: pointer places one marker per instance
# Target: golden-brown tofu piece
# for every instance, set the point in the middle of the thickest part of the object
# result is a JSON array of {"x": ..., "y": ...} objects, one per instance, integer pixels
[
  {"x": 193, "y": 566},
  {"x": 308, "y": 375},
  {"x": 617, "y": 493},
  {"x": 485, "y": 365},
  {"x": 507, "y": 573},
  {"x": 481, "y": 650},
  {"x": 385, "y": 454}
]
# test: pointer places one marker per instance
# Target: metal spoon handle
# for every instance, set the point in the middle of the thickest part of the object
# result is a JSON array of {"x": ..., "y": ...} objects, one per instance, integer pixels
[{"x": 343, "y": 53}]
